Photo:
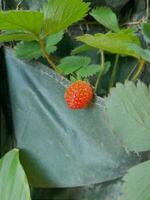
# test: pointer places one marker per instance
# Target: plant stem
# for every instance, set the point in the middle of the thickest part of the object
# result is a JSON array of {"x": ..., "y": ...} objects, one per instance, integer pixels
[
  {"x": 113, "y": 75},
  {"x": 102, "y": 68},
  {"x": 147, "y": 10},
  {"x": 141, "y": 65},
  {"x": 45, "y": 54},
  {"x": 131, "y": 71}
]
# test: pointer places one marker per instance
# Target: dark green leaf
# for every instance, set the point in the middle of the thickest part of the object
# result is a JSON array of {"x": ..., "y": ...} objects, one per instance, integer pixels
[
  {"x": 137, "y": 183},
  {"x": 71, "y": 64},
  {"x": 106, "y": 17},
  {"x": 128, "y": 109},
  {"x": 13, "y": 181},
  {"x": 146, "y": 31},
  {"x": 61, "y": 14},
  {"x": 21, "y": 20}
]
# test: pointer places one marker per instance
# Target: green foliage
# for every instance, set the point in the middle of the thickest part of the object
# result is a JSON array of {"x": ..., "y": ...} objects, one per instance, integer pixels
[
  {"x": 58, "y": 15},
  {"x": 128, "y": 109},
  {"x": 106, "y": 17},
  {"x": 30, "y": 50},
  {"x": 80, "y": 65},
  {"x": 81, "y": 49},
  {"x": 137, "y": 182},
  {"x": 91, "y": 70},
  {"x": 71, "y": 64},
  {"x": 88, "y": 70},
  {"x": 123, "y": 42},
  {"x": 16, "y": 36},
  {"x": 13, "y": 181},
  {"x": 146, "y": 31},
  {"x": 30, "y": 21},
  {"x": 52, "y": 40}
]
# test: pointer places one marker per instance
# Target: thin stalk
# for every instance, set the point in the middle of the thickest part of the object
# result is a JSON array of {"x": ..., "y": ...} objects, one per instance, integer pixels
[
  {"x": 140, "y": 68},
  {"x": 113, "y": 75},
  {"x": 131, "y": 71},
  {"x": 102, "y": 68},
  {"x": 147, "y": 10},
  {"x": 45, "y": 54}
]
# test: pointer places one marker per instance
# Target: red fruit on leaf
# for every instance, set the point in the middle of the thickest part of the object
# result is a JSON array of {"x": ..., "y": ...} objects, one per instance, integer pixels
[{"x": 79, "y": 95}]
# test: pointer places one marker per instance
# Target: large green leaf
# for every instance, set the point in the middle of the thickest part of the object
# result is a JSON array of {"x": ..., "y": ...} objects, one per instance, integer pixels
[
  {"x": 128, "y": 109},
  {"x": 60, "y": 147},
  {"x": 137, "y": 183},
  {"x": 13, "y": 181},
  {"x": 146, "y": 31},
  {"x": 123, "y": 42},
  {"x": 16, "y": 36},
  {"x": 106, "y": 17},
  {"x": 61, "y": 14},
  {"x": 21, "y": 20}
]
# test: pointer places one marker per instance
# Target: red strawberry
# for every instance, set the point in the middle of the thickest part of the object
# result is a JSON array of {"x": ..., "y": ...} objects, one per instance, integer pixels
[{"x": 79, "y": 95}]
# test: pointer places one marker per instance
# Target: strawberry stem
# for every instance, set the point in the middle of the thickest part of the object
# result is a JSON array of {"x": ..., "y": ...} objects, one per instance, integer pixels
[
  {"x": 140, "y": 68},
  {"x": 102, "y": 68},
  {"x": 113, "y": 75}
]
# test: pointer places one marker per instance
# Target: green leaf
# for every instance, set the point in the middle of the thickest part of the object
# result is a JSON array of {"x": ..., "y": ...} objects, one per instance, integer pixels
[
  {"x": 137, "y": 183},
  {"x": 53, "y": 40},
  {"x": 123, "y": 42},
  {"x": 126, "y": 35},
  {"x": 21, "y": 20},
  {"x": 91, "y": 70},
  {"x": 146, "y": 31},
  {"x": 87, "y": 71},
  {"x": 16, "y": 36},
  {"x": 81, "y": 49},
  {"x": 128, "y": 110},
  {"x": 106, "y": 17},
  {"x": 13, "y": 181},
  {"x": 61, "y": 14},
  {"x": 143, "y": 53},
  {"x": 71, "y": 64},
  {"x": 30, "y": 50}
]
